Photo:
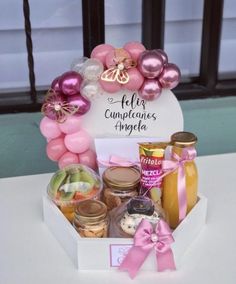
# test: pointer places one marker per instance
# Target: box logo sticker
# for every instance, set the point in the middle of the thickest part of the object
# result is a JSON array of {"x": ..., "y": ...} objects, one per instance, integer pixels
[{"x": 118, "y": 253}]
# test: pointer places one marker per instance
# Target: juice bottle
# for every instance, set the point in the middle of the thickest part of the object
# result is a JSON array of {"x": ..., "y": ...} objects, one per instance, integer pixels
[{"x": 179, "y": 142}]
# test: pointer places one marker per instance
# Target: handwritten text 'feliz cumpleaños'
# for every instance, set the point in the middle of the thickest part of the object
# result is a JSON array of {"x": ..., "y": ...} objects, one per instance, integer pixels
[{"x": 130, "y": 114}]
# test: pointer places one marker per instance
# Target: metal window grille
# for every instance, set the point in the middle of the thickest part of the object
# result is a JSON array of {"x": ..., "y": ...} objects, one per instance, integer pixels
[{"x": 206, "y": 84}]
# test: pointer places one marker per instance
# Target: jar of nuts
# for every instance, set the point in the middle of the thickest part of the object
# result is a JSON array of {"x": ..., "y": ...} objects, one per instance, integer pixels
[
  {"x": 91, "y": 219},
  {"x": 120, "y": 184}
]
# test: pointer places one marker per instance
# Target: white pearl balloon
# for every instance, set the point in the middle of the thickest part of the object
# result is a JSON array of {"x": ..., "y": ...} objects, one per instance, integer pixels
[
  {"x": 92, "y": 69},
  {"x": 78, "y": 63},
  {"x": 90, "y": 89}
]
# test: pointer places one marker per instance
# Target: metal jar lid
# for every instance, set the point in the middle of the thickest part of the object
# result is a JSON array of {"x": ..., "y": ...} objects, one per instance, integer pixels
[
  {"x": 90, "y": 211},
  {"x": 183, "y": 139},
  {"x": 121, "y": 177}
]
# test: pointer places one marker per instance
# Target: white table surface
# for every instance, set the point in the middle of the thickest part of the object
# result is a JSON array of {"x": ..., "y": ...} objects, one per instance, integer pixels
[{"x": 30, "y": 254}]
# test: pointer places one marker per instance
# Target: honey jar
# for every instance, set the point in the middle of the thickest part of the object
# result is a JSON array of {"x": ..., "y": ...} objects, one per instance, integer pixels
[
  {"x": 91, "y": 219},
  {"x": 120, "y": 184}
]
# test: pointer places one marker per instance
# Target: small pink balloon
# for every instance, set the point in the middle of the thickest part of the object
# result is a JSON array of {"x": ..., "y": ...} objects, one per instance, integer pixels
[
  {"x": 134, "y": 48},
  {"x": 78, "y": 142},
  {"x": 170, "y": 76},
  {"x": 55, "y": 149},
  {"x": 83, "y": 103},
  {"x": 68, "y": 159},
  {"x": 70, "y": 82},
  {"x": 55, "y": 84},
  {"x": 135, "y": 80},
  {"x": 112, "y": 57},
  {"x": 89, "y": 159},
  {"x": 100, "y": 52},
  {"x": 150, "y": 90},
  {"x": 110, "y": 87},
  {"x": 49, "y": 128},
  {"x": 71, "y": 125},
  {"x": 163, "y": 55},
  {"x": 150, "y": 64}
]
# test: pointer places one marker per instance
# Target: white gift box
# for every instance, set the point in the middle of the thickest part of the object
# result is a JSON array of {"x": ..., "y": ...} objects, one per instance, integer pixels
[{"x": 107, "y": 253}]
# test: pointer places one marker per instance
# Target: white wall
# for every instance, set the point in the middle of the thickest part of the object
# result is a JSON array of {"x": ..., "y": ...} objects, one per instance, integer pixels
[{"x": 57, "y": 36}]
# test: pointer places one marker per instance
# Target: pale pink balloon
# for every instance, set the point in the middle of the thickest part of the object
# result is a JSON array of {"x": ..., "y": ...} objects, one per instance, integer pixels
[
  {"x": 110, "y": 87},
  {"x": 100, "y": 52},
  {"x": 112, "y": 57},
  {"x": 134, "y": 48},
  {"x": 49, "y": 128},
  {"x": 55, "y": 149},
  {"x": 135, "y": 80},
  {"x": 68, "y": 159},
  {"x": 89, "y": 159},
  {"x": 170, "y": 76},
  {"x": 78, "y": 142},
  {"x": 72, "y": 124},
  {"x": 150, "y": 90}
]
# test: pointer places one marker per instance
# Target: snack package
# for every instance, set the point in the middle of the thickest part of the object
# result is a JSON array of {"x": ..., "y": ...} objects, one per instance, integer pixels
[{"x": 151, "y": 157}]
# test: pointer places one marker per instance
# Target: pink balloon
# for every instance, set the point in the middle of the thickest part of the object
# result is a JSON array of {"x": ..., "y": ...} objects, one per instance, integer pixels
[
  {"x": 150, "y": 64},
  {"x": 49, "y": 128},
  {"x": 78, "y": 142},
  {"x": 68, "y": 159},
  {"x": 163, "y": 55},
  {"x": 135, "y": 80},
  {"x": 170, "y": 76},
  {"x": 71, "y": 125},
  {"x": 55, "y": 84},
  {"x": 55, "y": 149},
  {"x": 134, "y": 48},
  {"x": 89, "y": 159},
  {"x": 70, "y": 82},
  {"x": 80, "y": 101},
  {"x": 112, "y": 57},
  {"x": 100, "y": 52},
  {"x": 150, "y": 90},
  {"x": 110, "y": 87}
]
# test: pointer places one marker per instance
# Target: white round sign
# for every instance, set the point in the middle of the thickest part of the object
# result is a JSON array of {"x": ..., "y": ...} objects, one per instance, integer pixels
[{"x": 126, "y": 114}]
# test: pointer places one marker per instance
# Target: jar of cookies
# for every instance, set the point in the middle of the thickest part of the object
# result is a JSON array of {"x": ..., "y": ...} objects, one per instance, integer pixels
[
  {"x": 91, "y": 219},
  {"x": 126, "y": 218},
  {"x": 120, "y": 184}
]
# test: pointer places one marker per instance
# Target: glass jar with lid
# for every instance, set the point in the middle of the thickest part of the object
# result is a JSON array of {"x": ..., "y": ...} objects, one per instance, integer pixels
[
  {"x": 120, "y": 184},
  {"x": 181, "y": 142},
  {"x": 91, "y": 219}
]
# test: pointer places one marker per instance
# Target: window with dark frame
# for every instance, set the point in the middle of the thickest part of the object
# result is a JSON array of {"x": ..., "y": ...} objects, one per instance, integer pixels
[{"x": 206, "y": 84}]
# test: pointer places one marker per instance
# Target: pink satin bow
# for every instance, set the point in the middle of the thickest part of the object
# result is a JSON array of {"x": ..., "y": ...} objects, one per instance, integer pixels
[
  {"x": 145, "y": 240},
  {"x": 168, "y": 166},
  {"x": 117, "y": 161}
]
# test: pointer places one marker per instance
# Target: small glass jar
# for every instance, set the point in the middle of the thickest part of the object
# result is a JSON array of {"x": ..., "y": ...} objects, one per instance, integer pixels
[
  {"x": 126, "y": 218},
  {"x": 91, "y": 220},
  {"x": 120, "y": 184}
]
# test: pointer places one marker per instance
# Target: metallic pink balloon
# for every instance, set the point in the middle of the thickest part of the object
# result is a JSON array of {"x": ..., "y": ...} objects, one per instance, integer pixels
[
  {"x": 70, "y": 82},
  {"x": 150, "y": 90},
  {"x": 55, "y": 84},
  {"x": 170, "y": 76},
  {"x": 163, "y": 55},
  {"x": 80, "y": 101},
  {"x": 150, "y": 64}
]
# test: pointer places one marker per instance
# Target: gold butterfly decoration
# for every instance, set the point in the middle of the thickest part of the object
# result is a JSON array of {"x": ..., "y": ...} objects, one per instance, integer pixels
[
  {"x": 118, "y": 72},
  {"x": 56, "y": 108}
]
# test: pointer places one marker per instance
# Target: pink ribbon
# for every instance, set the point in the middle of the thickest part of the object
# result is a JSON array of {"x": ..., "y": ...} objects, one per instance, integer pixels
[
  {"x": 117, "y": 161},
  {"x": 145, "y": 240},
  {"x": 168, "y": 166}
]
